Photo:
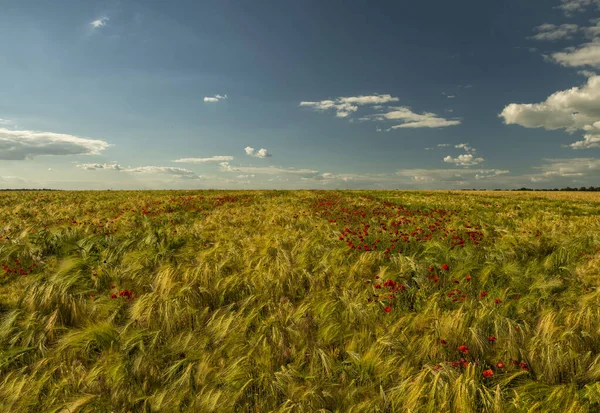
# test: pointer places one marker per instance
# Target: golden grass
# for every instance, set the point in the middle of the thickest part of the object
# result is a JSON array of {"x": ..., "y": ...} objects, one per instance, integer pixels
[{"x": 248, "y": 301}]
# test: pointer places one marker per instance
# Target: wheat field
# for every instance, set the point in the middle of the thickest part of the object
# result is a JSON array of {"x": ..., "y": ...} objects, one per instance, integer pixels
[{"x": 299, "y": 301}]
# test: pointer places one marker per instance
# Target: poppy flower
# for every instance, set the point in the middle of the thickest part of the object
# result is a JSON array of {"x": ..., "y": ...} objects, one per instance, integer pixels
[
  {"x": 387, "y": 309},
  {"x": 524, "y": 366},
  {"x": 491, "y": 339},
  {"x": 443, "y": 342},
  {"x": 445, "y": 267},
  {"x": 500, "y": 365},
  {"x": 488, "y": 373},
  {"x": 455, "y": 364},
  {"x": 469, "y": 278},
  {"x": 483, "y": 294},
  {"x": 464, "y": 349},
  {"x": 497, "y": 301}
]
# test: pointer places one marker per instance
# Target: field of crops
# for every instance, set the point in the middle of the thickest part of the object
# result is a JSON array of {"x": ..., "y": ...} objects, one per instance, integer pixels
[{"x": 299, "y": 301}]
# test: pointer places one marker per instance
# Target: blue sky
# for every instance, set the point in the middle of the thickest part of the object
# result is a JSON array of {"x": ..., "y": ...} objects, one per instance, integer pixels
[{"x": 307, "y": 94}]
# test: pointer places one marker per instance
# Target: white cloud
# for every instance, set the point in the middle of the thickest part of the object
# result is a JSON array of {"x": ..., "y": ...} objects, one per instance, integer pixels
[
  {"x": 101, "y": 22},
  {"x": 415, "y": 120},
  {"x": 589, "y": 141},
  {"x": 443, "y": 145},
  {"x": 164, "y": 170},
  {"x": 218, "y": 158},
  {"x": 261, "y": 153},
  {"x": 466, "y": 147},
  {"x": 94, "y": 166},
  {"x": 587, "y": 54},
  {"x": 345, "y": 106},
  {"x": 554, "y": 32},
  {"x": 575, "y": 109},
  {"x": 368, "y": 100},
  {"x": 269, "y": 170},
  {"x": 26, "y": 144},
  {"x": 451, "y": 96},
  {"x": 568, "y": 167},
  {"x": 179, "y": 173},
  {"x": 215, "y": 98},
  {"x": 490, "y": 173},
  {"x": 448, "y": 175},
  {"x": 463, "y": 160},
  {"x": 570, "y": 7}
]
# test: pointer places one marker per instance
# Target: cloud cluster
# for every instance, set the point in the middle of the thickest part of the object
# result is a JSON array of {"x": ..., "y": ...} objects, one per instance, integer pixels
[
  {"x": 261, "y": 153},
  {"x": 344, "y": 106},
  {"x": 218, "y": 158},
  {"x": 94, "y": 166},
  {"x": 160, "y": 170},
  {"x": 215, "y": 98},
  {"x": 570, "y": 7},
  {"x": 26, "y": 144},
  {"x": 574, "y": 109},
  {"x": 553, "y": 32},
  {"x": 463, "y": 160},
  {"x": 448, "y": 175},
  {"x": 410, "y": 119},
  {"x": 164, "y": 170}
]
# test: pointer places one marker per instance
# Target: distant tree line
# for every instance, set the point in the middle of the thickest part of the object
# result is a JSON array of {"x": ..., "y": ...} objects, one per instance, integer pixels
[{"x": 568, "y": 188}]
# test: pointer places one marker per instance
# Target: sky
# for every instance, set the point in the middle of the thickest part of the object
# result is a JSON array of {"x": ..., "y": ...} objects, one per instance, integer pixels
[{"x": 307, "y": 94}]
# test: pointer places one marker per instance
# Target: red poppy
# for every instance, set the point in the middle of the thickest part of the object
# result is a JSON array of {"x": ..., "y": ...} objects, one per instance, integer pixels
[
  {"x": 497, "y": 301},
  {"x": 524, "y": 366},
  {"x": 443, "y": 342},
  {"x": 469, "y": 278},
  {"x": 387, "y": 309},
  {"x": 483, "y": 294},
  {"x": 491, "y": 339},
  {"x": 488, "y": 373},
  {"x": 445, "y": 267},
  {"x": 500, "y": 365},
  {"x": 463, "y": 349}
]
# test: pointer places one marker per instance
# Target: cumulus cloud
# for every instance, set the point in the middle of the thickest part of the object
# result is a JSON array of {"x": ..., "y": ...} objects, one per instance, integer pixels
[
  {"x": 26, "y": 144},
  {"x": 101, "y": 22},
  {"x": 345, "y": 106},
  {"x": 463, "y": 160},
  {"x": 94, "y": 166},
  {"x": 410, "y": 119},
  {"x": 570, "y": 7},
  {"x": 215, "y": 98},
  {"x": 587, "y": 54},
  {"x": 218, "y": 158},
  {"x": 466, "y": 147},
  {"x": 575, "y": 109},
  {"x": 261, "y": 153},
  {"x": 589, "y": 141},
  {"x": 553, "y": 32}
]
